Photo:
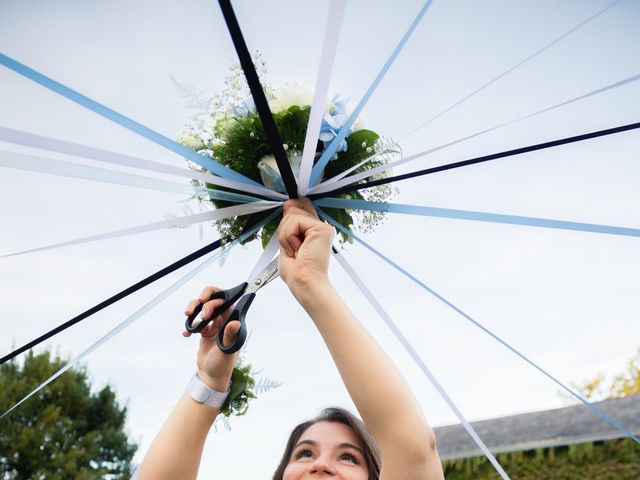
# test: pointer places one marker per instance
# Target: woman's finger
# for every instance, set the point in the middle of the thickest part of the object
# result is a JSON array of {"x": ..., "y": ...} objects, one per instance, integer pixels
[
  {"x": 209, "y": 307},
  {"x": 191, "y": 306},
  {"x": 301, "y": 206},
  {"x": 206, "y": 293},
  {"x": 230, "y": 333}
]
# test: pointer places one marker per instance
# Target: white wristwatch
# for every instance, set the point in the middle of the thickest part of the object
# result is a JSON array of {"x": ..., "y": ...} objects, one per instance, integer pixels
[{"x": 204, "y": 394}]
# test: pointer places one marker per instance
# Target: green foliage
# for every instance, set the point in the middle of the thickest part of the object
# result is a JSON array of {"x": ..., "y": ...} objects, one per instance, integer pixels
[
  {"x": 240, "y": 143},
  {"x": 241, "y": 390},
  {"x": 610, "y": 460},
  {"x": 64, "y": 431}
]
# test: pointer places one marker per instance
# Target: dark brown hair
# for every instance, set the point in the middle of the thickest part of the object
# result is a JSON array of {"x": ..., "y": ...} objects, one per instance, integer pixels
[{"x": 337, "y": 415}]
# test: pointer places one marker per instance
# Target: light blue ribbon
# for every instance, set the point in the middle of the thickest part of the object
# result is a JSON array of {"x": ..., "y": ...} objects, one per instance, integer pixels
[
  {"x": 32, "y": 163},
  {"x": 585, "y": 402},
  {"x": 475, "y": 216},
  {"x": 346, "y": 128},
  {"x": 123, "y": 121},
  {"x": 146, "y": 308}
]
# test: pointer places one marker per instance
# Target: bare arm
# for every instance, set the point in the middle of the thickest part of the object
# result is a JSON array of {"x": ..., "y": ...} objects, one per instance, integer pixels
[
  {"x": 177, "y": 448},
  {"x": 383, "y": 399}
]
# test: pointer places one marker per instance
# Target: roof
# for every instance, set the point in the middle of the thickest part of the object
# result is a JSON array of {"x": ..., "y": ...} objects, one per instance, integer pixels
[{"x": 548, "y": 428}]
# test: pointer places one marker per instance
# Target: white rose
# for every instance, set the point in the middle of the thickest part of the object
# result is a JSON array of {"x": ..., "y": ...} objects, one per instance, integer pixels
[{"x": 289, "y": 95}]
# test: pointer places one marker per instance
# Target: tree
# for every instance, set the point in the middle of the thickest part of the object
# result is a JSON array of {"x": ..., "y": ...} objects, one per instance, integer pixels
[
  {"x": 64, "y": 431},
  {"x": 622, "y": 385}
]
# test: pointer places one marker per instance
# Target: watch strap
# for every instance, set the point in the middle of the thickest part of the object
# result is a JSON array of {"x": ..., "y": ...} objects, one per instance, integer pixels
[{"x": 201, "y": 393}]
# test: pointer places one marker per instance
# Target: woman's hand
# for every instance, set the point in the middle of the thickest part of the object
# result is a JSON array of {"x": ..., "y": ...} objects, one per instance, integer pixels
[
  {"x": 214, "y": 366},
  {"x": 305, "y": 245}
]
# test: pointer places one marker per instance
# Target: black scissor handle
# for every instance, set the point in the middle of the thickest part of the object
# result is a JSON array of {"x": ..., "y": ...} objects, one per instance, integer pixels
[
  {"x": 229, "y": 297},
  {"x": 238, "y": 314}
]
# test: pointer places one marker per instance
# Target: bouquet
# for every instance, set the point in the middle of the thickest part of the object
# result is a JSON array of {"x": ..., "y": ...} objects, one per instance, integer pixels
[{"x": 228, "y": 129}]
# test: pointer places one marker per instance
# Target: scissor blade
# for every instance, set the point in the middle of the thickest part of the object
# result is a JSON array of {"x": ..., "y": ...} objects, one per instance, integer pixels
[{"x": 265, "y": 276}]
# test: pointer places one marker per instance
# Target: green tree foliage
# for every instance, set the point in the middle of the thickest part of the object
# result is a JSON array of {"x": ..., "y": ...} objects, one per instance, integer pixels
[{"x": 64, "y": 431}]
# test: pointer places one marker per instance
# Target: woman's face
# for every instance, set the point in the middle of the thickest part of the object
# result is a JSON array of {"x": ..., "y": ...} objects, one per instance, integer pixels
[{"x": 327, "y": 449}]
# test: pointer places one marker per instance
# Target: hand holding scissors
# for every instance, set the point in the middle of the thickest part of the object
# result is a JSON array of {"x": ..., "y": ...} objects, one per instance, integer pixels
[{"x": 243, "y": 294}]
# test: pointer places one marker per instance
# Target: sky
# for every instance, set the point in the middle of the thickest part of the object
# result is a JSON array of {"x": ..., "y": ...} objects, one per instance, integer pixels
[{"x": 566, "y": 299}]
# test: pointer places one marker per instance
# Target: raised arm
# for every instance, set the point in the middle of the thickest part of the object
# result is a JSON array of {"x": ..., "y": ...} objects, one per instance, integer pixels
[
  {"x": 177, "y": 448},
  {"x": 382, "y": 397}
]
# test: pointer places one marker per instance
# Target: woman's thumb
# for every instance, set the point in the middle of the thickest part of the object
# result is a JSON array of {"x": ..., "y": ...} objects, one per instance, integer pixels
[{"x": 230, "y": 333}]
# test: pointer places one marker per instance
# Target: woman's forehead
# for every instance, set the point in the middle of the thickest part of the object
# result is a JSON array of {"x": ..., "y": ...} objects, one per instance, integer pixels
[{"x": 330, "y": 432}]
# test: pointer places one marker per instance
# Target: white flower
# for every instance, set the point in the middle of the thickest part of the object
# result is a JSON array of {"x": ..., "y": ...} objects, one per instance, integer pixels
[
  {"x": 289, "y": 95},
  {"x": 270, "y": 173},
  {"x": 190, "y": 141}
]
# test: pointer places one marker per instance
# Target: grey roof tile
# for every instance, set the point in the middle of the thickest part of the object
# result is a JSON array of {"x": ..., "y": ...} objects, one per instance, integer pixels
[{"x": 548, "y": 428}]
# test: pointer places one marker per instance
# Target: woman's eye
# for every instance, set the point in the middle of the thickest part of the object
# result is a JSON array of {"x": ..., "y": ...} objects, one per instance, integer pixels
[
  {"x": 349, "y": 457},
  {"x": 305, "y": 452}
]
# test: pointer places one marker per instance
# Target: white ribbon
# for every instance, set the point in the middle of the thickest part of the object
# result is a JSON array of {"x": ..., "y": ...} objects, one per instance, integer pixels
[
  {"x": 68, "y": 148},
  {"x": 416, "y": 358},
  {"x": 218, "y": 214},
  {"x": 511, "y": 69},
  {"x": 329, "y": 47},
  {"x": 33, "y": 163},
  {"x": 270, "y": 251},
  {"x": 336, "y": 182}
]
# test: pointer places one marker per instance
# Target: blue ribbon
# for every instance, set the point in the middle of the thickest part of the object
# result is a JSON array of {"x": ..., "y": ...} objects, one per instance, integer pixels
[
  {"x": 346, "y": 128},
  {"x": 475, "y": 216},
  {"x": 123, "y": 121},
  {"x": 585, "y": 402}
]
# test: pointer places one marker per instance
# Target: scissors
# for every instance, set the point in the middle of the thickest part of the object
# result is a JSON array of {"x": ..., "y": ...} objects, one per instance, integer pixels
[{"x": 244, "y": 295}]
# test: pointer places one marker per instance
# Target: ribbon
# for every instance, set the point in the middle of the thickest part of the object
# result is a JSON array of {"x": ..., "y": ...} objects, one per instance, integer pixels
[
  {"x": 69, "y": 148},
  {"x": 124, "y": 121},
  {"x": 346, "y": 128},
  {"x": 508, "y": 153},
  {"x": 332, "y": 183},
  {"x": 219, "y": 214},
  {"x": 474, "y": 216},
  {"x": 257, "y": 219},
  {"x": 262, "y": 106},
  {"x": 327, "y": 56},
  {"x": 416, "y": 358},
  {"x": 585, "y": 402},
  {"x": 516, "y": 66},
  {"x": 33, "y": 163},
  {"x": 139, "y": 313}
]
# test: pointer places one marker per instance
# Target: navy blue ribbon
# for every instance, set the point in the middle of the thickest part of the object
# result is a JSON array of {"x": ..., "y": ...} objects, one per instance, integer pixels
[
  {"x": 259, "y": 98},
  {"x": 473, "y": 161}
]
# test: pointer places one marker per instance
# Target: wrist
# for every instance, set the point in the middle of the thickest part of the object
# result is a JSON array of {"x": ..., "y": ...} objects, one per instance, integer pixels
[
  {"x": 218, "y": 382},
  {"x": 314, "y": 295}
]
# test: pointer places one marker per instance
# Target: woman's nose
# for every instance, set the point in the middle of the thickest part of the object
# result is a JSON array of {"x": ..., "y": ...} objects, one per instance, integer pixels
[{"x": 322, "y": 465}]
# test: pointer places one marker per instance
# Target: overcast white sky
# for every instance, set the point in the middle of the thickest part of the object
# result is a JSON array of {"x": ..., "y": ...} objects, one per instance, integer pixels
[{"x": 568, "y": 300}]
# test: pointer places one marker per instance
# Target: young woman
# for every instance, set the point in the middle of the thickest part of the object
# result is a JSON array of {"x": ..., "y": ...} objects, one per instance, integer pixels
[{"x": 394, "y": 442}]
